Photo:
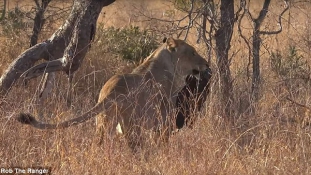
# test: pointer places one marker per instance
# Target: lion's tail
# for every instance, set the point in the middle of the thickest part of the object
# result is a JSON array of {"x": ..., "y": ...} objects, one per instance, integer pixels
[{"x": 30, "y": 120}]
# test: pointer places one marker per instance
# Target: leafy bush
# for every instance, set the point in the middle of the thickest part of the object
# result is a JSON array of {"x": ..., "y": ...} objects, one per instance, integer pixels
[
  {"x": 132, "y": 43},
  {"x": 14, "y": 22},
  {"x": 290, "y": 66}
]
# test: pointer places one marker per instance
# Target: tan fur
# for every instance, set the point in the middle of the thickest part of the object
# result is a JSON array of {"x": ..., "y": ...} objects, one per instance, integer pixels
[{"x": 142, "y": 99}]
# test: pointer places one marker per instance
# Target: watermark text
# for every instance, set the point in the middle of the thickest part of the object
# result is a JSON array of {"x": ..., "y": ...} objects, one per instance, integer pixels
[{"x": 25, "y": 170}]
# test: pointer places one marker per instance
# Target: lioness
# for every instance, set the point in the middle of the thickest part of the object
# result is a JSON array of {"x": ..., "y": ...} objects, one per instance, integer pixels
[{"x": 141, "y": 100}]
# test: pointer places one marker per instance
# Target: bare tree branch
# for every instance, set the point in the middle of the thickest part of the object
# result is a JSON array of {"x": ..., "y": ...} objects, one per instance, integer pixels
[
  {"x": 190, "y": 18},
  {"x": 190, "y": 21},
  {"x": 257, "y": 40},
  {"x": 279, "y": 22},
  {"x": 202, "y": 30},
  {"x": 298, "y": 104},
  {"x": 245, "y": 10},
  {"x": 38, "y": 21},
  {"x": 68, "y": 45}
]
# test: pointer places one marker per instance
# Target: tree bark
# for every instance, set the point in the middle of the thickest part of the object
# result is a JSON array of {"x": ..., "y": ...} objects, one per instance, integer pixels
[
  {"x": 66, "y": 47},
  {"x": 204, "y": 19},
  {"x": 223, "y": 38},
  {"x": 38, "y": 21},
  {"x": 256, "y": 48}
]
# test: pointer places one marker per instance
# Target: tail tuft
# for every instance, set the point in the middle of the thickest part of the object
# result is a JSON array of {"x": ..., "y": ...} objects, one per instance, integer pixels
[{"x": 25, "y": 118}]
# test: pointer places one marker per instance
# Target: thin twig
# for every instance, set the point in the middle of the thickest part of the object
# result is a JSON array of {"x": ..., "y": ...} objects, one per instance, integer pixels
[{"x": 296, "y": 103}]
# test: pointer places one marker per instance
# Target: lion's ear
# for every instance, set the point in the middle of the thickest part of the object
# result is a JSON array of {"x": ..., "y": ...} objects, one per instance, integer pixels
[{"x": 172, "y": 44}]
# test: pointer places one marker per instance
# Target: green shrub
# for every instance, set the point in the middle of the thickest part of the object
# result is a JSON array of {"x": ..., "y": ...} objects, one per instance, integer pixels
[
  {"x": 14, "y": 22},
  {"x": 290, "y": 66},
  {"x": 132, "y": 43}
]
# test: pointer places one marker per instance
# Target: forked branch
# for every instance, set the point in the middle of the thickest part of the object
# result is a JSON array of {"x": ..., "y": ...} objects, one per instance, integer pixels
[
  {"x": 279, "y": 22},
  {"x": 64, "y": 51}
]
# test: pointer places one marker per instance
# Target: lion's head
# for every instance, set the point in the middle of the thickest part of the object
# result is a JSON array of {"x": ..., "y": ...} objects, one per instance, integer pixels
[{"x": 185, "y": 58}]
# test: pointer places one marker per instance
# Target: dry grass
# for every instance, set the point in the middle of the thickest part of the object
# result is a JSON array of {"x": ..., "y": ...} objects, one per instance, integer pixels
[{"x": 270, "y": 137}]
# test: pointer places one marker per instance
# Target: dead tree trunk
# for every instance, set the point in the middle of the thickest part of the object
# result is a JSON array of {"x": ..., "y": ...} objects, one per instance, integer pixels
[
  {"x": 38, "y": 21},
  {"x": 223, "y": 38},
  {"x": 256, "y": 48},
  {"x": 257, "y": 41},
  {"x": 66, "y": 47}
]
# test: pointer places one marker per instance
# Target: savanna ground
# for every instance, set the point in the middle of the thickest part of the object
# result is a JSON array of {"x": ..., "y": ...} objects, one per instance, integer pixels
[{"x": 268, "y": 137}]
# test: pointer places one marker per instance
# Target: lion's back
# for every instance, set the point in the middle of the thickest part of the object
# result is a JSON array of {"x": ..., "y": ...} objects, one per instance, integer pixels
[{"x": 119, "y": 85}]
